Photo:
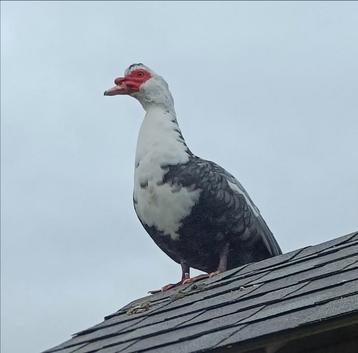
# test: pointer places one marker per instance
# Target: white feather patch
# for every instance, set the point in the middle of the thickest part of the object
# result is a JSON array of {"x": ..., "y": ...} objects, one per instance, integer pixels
[{"x": 159, "y": 144}]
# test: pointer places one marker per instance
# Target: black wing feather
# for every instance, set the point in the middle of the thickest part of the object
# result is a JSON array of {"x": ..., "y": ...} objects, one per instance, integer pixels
[{"x": 225, "y": 209}]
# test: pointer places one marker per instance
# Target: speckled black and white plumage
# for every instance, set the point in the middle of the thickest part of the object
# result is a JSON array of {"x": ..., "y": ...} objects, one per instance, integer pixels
[
  {"x": 222, "y": 215},
  {"x": 193, "y": 209}
]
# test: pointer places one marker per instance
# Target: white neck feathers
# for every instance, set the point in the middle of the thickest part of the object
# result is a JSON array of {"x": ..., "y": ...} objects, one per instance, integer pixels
[{"x": 160, "y": 141}]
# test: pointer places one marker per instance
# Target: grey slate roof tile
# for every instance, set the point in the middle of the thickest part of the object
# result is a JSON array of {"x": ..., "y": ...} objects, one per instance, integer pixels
[
  {"x": 226, "y": 313},
  {"x": 66, "y": 347},
  {"x": 101, "y": 344},
  {"x": 213, "y": 290},
  {"x": 294, "y": 319},
  {"x": 355, "y": 237},
  {"x": 196, "y": 344},
  {"x": 269, "y": 263},
  {"x": 98, "y": 334},
  {"x": 307, "y": 299},
  {"x": 241, "y": 306},
  {"x": 154, "y": 305},
  {"x": 326, "y": 245},
  {"x": 117, "y": 321},
  {"x": 315, "y": 267},
  {"x": 162, "y": 327},
  {"x": 352, "y": 266},
  {"x": 72, "y": 348},
  {"x": 311, "y": 275},
  {"x": 277, "y": 294},
  {"x": 181, "y": 336},
  {"x": 166, "y": 318},
  {"x": 328, "y": 281}
]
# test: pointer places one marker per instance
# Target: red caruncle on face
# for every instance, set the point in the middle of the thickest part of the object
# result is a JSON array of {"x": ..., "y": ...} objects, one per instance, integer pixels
[{"x": 130, "y": 83}]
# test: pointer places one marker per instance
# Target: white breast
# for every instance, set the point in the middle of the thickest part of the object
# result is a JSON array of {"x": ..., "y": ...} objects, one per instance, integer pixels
[{"x": 159, "y": 145}]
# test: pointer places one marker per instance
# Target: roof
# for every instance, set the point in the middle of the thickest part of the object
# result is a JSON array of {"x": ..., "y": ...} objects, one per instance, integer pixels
[{"x": 316, "y": 285}]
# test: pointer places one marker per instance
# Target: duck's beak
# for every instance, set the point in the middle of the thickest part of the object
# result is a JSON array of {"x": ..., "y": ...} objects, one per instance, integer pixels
[{"x": 120, "y": 88}]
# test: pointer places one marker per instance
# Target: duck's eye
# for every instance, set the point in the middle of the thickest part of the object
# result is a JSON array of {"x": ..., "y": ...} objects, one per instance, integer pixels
[{"x": 140, "y": 74}]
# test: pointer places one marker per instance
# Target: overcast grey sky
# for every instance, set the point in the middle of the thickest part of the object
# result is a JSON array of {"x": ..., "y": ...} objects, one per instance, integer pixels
[{"x": 267, "y": 90}]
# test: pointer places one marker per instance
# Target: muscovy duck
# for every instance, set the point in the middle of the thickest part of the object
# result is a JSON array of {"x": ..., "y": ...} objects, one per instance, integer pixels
[{"x": 194, "y": 210}]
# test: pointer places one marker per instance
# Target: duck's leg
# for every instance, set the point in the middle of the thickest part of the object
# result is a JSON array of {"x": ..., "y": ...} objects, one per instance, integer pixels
[
  {"x": 222, "y": 262},
  {"x": 185, "y": 275},
  {"x": 185, "y": 271},
  {"x": 221, "y": 267}
]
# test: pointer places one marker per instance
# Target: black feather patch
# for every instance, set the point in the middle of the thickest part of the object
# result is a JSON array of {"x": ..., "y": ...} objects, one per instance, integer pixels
[{"x": 222, "y": 215}]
